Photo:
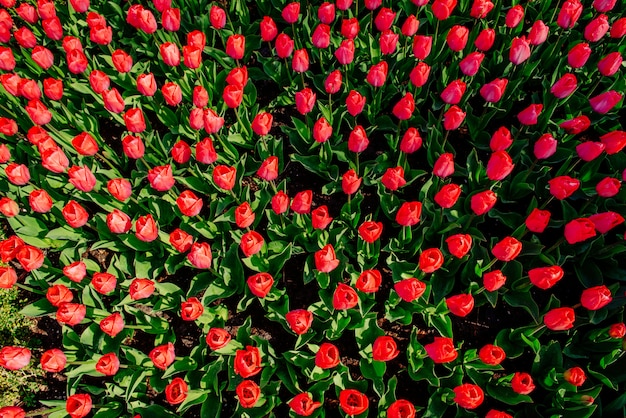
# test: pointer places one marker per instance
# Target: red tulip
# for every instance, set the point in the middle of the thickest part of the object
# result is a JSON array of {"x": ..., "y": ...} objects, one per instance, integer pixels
[{"x": 268, "y": 29}]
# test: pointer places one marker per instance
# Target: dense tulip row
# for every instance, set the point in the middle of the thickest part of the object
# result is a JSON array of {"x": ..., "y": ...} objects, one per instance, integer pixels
[{"x": 458, "y": 156}]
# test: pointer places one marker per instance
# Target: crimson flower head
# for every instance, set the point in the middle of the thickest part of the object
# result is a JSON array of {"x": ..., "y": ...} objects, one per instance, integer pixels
[{"x": 393, "y": 178}]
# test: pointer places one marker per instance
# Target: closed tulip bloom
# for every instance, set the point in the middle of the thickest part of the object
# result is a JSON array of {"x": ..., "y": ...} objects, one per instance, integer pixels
[
  {"x": 284, "y": 46},
  {"x": 122, "y": 61},
  {"x": 501, "y": 139},
  {"x": 370, "y": 231},
  {"x": 161, "y": 178},
  {"x": 545, "y": 277},
  {"x": 569, "y": 14},
  {"x": 453, "y": 93},
  {"x": 563, "y": 187},
  {"x": 499, "y": 166},
  {"x": 5, "y": 153},
  {"x": 482, "y": 202},
  {"x": 146, "y": 21},
  {"x": 460, "y": 305},
  {"x": 326, "y": 13},
  {"x": 522, "y": 383},
  {"x": 82, "y": 178},
  {"x": 576, "y": 125},
  {"x": 448, "y": 195},
  {"x": 321, "y": 36},
  {"x": 320, "y": 218},
  {"x": 617, "y": 330},
  {"x": 538, "y": 220},
  {"x": 181, "y": 240},
  {"x": 603, "y": 103},
  {"x": 530, "y": 115},
  {"x": 410, "y": 26},
  {"x": 327, "y": 356},
  {"x": 332, "y": 84},
  {"x": 610, "y": 64},
  {"x": 53, "y": 361},
  {"x": 9, "y": 81},
  {"x": 384, "y": 348},
  {"x": 74, "y": 214},
  {"x": 188, "y": 203},
  {"x": 409, "y": 213},
  {"x": 494, "y": 90},
  {"x": 247, "y": 362},
  {"x": 350, "y": 28},
  {"x": 302, "y": 202},
  {"x": 453, "y": 118},
  {"x": 244, "y": 216},
  {"x": 457, "y": 38},
  {"x": 269, "y": 169},
  {"x": 232, "y": 96},
  {"x": 76, "y": 61},
  {"x": 372, "y": 4},
  {"x": 471, "y": 63},
  {"x": 577, "y": 56},
  {"x": 345, "y": 52},
  {"x": 442, "y": 9},
  {"x": 133, "y": 147},
  {"x": 579, "y": 230},
  {"x": 514, "y": 16},
  {"x": 419, "y": 74},
  {"x": 485, "y": 39},
  {"x": 291, "y": 12},
  {"x": 538, "y": 33},
  {"x": 441, "y": 350},
  {"x": 444, "y": 166},
  {"x": 520, "y": 50},
  {"x": 40, "y": 201},
  {"x": 146, "y": 228},
  {"x": 17, "y": 174},
  {"x": 607, "y": 187},
  {"x": 604, "y": 6},
  {"x": 480, "y": 8},
  {"x": 469, "y": 396},
  {"x": 459, "y": 244},
  {"x": 299, "y": 320},
  {"x": 422, "y": 46},
  {"x": 251, "y": 243},
  {"x": 350, "y": 182},
  {"x": 141, "y": 289},
  {"x": 224, "y": 177},
  {"x": 618, "y": 29},
  {"x": 268, "y": 29},
  {"x": 217, "y": 17},
  {"x": 325, "y": 259},
  {"x": 146, "y": 84},
  {"x": 300, "y": 62},
  {"x": 238, "y": 77},
  {"x": 559, "y": 319},
  {"x": 507, "y": 249},
  {"x": 38, "y": 112},
  {"x": 192, "y": 57},
  {"x": 29, "y": 89},
  {"x": 27, "y": 12},
  {"x": 564, "y": 86},
  {"x": 405, "y": 107},
  {"x": 411, "y": 141},
  {"x": 134, "y": 120},
  {"x": 260, "y": 284},
  {"x": 393, "y": 178},
  {"x": 322, "y": 130},
  {"x": 597, "y": 28},
  {"x": 236, "y": 46},
  {"x": 589, "y": 150},
  {"x": 52, "y": 28},
  {"x": 596, "y": 297},
  {"x": 388, "y": 42},
  {"x": 71, "y": 313},
  {"x": 369, "y": 281},
  {"x": 384, "y": 19},
  {"x": 118, "y": 222},
  {"x": 172, "y": 93},
  {"x": 8, "y": 207},
  {"x": 614, "y": 141},
  {"x": 280, "y": 202},
  {"x": 545, "y": 147},
  {"x": 605, "y": 221},
  {"x": 493, "y": 280},
  {"x": 79, "y": 405},
  {"x": 431, "y": 260},
  {"x": 409, "y": 289},
  {"x": 305, "y": 101}
]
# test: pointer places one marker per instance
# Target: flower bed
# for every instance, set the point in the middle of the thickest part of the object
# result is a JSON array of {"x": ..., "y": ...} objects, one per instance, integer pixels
[{"x": 359, "y": 208}]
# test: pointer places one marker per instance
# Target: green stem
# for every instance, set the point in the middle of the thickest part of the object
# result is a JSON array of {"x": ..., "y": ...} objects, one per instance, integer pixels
[{"x": 45, "y": 411}]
